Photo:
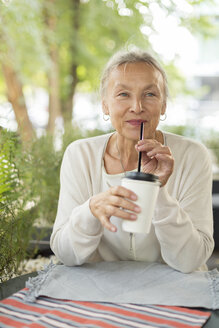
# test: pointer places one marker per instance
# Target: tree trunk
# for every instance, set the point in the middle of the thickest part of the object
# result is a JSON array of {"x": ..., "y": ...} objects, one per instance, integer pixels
[
  {"x": 53, "y": 76},
  {"x": 16, "y": 98},
  {"x": 54, "y": 100},
  {"x": 67, "y": 108}
]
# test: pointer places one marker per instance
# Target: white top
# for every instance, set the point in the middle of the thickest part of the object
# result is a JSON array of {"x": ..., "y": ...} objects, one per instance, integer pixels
[{"x": 182, "y": 230}]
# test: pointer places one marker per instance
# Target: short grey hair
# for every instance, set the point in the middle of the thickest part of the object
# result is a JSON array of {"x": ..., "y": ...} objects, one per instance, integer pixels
[{"x": 126, "y": 57}]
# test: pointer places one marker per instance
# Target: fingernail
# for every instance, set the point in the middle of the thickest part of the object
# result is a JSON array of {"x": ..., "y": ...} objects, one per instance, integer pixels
[
  {"x": 133, "y": 217},
  {"x": 134, "y": 197},
  {"x": 137, "y": 209},
  {"x": 113, "y": 229}
]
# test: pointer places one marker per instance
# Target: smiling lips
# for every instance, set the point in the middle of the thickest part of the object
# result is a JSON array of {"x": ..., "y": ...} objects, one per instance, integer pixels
[{"x": 135, "y": 122}]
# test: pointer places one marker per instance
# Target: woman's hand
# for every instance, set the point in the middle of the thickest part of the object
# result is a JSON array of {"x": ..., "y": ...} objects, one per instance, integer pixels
[
  {"x": 156, "y": 159},
  {"x": 114, "y": 202}
]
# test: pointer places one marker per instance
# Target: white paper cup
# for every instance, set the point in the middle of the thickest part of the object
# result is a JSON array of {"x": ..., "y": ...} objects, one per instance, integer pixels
[{"x": 146, "y": 187}]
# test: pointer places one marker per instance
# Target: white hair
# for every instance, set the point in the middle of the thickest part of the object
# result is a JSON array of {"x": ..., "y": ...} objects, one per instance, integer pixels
[{"x": 126, "y": 57}]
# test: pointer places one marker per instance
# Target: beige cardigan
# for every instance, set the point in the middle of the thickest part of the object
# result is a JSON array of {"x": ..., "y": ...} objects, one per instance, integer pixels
[{"x": 182, "y": 231}]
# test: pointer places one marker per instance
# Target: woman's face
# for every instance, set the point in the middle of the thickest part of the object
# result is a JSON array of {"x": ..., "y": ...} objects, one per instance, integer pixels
[{"x": 135, "y": 94}]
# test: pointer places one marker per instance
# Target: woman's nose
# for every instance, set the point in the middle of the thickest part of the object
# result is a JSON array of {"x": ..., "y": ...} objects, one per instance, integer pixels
[{"x": 137, "y": 106}]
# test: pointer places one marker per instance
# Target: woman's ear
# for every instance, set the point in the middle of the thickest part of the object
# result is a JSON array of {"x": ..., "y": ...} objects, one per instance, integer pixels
[
  {"x": 105, "y": 108},
  {"x": 163, "y": 109}
]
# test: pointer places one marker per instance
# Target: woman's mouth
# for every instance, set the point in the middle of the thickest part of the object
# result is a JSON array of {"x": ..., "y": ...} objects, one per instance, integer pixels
[{"x": 135, "y": 122}]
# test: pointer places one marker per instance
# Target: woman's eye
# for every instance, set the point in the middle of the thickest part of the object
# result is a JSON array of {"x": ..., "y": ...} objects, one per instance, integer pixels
[
  {"x": 123, "y": 94},
  {"x": 149, "y": 94}
]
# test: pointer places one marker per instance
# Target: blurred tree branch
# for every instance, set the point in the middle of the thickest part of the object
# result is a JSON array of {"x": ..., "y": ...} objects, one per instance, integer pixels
[
  {"x": 16, "y": 98},
  {"x": 15, "y": 90}
]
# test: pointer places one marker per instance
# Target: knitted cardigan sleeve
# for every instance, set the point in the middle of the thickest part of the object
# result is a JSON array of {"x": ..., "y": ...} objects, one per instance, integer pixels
[
  {"x": 76, "y": 232},
  {"x": 183, "y": 218}
]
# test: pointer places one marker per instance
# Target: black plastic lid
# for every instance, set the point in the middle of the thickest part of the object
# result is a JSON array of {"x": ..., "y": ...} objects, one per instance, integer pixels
[{"x": 141, "y": 176}]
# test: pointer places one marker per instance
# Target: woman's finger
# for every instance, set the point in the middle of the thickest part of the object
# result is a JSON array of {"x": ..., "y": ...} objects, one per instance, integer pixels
[
  {"x": 159, "y": 150},
  {"x": 118, "y": 202},
  {"x": 122, "y": 192},
  {"x": 105, "y": 221},
  {"x": 125, "y": 215},
  {"x": 147, "y": 146},
  {"x": 121, "y": 212}
]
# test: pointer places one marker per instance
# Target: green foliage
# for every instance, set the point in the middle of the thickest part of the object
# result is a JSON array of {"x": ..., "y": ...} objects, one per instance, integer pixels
[
  {"x": 44, "y": 178},
  {"x": 29, "y": 190},
  {"x": 176, "y": 81},
  {"x": 29, "y": 186},
  {"x": 201, "y": 25},
  {"x": 22, "y": 38},
  {"x": 182, "y": 130},
  {"x": 100, "y": 32},
  {"x": 15, "y": 222}
]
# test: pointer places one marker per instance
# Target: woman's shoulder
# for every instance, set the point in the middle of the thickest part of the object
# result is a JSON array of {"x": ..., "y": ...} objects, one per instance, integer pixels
[
  {"x": 181, "y": 144},
  {"x": 189, "y": 154}
]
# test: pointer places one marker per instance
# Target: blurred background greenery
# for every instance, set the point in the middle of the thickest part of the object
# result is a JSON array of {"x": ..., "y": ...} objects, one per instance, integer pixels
[{"x": 51, "y": 54}]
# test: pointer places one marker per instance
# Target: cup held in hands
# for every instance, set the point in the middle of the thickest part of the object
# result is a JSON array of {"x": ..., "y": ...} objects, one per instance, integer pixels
[{"x": 146, "y": 186}]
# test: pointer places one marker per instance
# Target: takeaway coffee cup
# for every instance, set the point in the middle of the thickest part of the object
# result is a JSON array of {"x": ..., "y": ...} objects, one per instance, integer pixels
[{"x": 146, "y": 186}]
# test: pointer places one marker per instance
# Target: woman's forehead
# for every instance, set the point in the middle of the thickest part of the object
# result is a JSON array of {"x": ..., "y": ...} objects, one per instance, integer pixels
[{"x": 135, "y": 72}]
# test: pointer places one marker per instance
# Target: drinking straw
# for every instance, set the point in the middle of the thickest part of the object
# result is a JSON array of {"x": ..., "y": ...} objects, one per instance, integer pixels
[{"x": 141, "y": 138}]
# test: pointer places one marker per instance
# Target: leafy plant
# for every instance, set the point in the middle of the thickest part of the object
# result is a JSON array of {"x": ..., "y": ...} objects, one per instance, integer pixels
[{"x": 15, "y": 223}]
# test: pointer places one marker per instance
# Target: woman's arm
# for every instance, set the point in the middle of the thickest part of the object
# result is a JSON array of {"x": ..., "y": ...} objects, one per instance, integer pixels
[
  {"x": 184, "y": 226},
  {"x": 76, "y": 232}
]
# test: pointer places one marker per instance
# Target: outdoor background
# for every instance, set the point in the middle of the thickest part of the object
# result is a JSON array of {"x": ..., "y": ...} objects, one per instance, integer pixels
[{"x": 51, "y": 56}]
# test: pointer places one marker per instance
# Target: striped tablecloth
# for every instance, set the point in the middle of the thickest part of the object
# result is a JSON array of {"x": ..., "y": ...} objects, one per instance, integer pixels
[{"x": 50, "y": 312}]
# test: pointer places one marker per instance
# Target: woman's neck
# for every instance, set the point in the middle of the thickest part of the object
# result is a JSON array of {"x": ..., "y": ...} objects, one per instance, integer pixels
[{"x": 125, "y": 149}]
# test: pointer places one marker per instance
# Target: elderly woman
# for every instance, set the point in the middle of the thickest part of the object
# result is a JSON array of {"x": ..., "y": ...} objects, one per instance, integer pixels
[{"x": 93, "y": 204}]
